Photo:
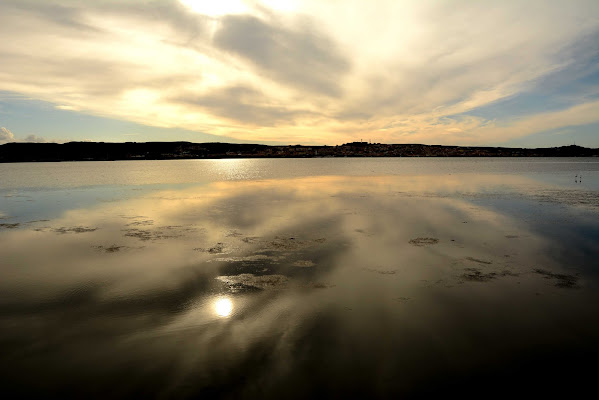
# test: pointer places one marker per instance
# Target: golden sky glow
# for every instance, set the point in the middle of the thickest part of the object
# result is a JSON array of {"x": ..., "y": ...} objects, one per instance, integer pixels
[{"x": 446, "y": 72}]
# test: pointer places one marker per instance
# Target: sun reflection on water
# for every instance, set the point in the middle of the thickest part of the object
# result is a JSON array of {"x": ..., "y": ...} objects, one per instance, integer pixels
[{"x": 223, "y": 307}]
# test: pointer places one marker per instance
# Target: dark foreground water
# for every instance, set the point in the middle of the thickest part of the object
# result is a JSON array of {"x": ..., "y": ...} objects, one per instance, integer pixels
[{"x": 299, "y": 278}]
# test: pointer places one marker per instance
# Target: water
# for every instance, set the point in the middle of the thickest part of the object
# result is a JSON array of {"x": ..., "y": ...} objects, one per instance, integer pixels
[{"x": 299, "y": 278}]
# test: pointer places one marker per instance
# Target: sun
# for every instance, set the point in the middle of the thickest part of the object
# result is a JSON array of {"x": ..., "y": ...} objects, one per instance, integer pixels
[
  {"x": 218, "y": 8},
  {"x": 223, "y": 307}
]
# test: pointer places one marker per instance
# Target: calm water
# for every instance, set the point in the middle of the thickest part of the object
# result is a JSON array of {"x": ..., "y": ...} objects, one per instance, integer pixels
[{"x": 299, "y": 278}]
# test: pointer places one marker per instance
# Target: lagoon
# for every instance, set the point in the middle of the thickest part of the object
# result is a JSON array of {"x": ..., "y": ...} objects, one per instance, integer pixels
[{"x": 299, "y": 277}]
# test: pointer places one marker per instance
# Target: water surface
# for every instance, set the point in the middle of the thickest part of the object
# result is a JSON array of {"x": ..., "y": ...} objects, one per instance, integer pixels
[{"x": 298, "y": 278}]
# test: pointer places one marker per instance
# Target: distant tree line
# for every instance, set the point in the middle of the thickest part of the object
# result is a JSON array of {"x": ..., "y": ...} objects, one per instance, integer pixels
[{"x": 100, "y": 151}]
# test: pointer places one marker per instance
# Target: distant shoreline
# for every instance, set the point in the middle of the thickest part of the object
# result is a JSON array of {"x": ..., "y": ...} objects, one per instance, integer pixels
[{"x": 101, "y": 151}]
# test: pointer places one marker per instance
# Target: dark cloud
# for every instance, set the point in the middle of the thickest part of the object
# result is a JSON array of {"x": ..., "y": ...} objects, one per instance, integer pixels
[
  {"x": 244, "y": 104},
  {"x": 67, "y": 15},
  {"x": 303, "y": 57},
  {"x": 187, "y": 28}
]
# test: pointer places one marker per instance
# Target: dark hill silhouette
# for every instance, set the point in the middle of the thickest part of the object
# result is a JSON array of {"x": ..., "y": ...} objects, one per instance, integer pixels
[{"x": 101, "y": 151}]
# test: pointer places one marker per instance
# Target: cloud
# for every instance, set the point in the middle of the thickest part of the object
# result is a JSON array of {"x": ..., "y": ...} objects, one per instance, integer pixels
[
  {"x": 310, "y": 71},
  {"x": 244, "y": 105},
  {"x": 302, "y": 57},
  {"x": 66, "y": 108},
  {"x": 581, "y": 114},
  {"x": 6, "y": 135},
  {"x": 34, "y": 139},
  {"x": 472, "y": 130}
]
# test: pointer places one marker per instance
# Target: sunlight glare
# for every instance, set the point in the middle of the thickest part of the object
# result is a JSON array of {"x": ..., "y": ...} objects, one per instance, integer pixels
[{"x": 223, "y": 307}]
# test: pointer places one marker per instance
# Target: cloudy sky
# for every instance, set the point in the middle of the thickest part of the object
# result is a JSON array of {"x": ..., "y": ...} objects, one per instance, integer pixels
[{"x": 515, "y": 73}]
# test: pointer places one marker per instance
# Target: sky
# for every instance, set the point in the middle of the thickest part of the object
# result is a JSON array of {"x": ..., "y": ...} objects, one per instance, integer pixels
[{"x": 520, "y": 73}]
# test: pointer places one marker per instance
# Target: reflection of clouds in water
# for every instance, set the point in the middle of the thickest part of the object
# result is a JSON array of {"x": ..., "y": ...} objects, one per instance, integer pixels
[
  {"x": 161, "y": 296},
  {"x": 290, "y": 223}
]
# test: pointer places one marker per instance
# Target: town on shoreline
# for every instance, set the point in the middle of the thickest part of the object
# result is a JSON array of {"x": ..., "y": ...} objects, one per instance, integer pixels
[{"x": 101, "y": 151}]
